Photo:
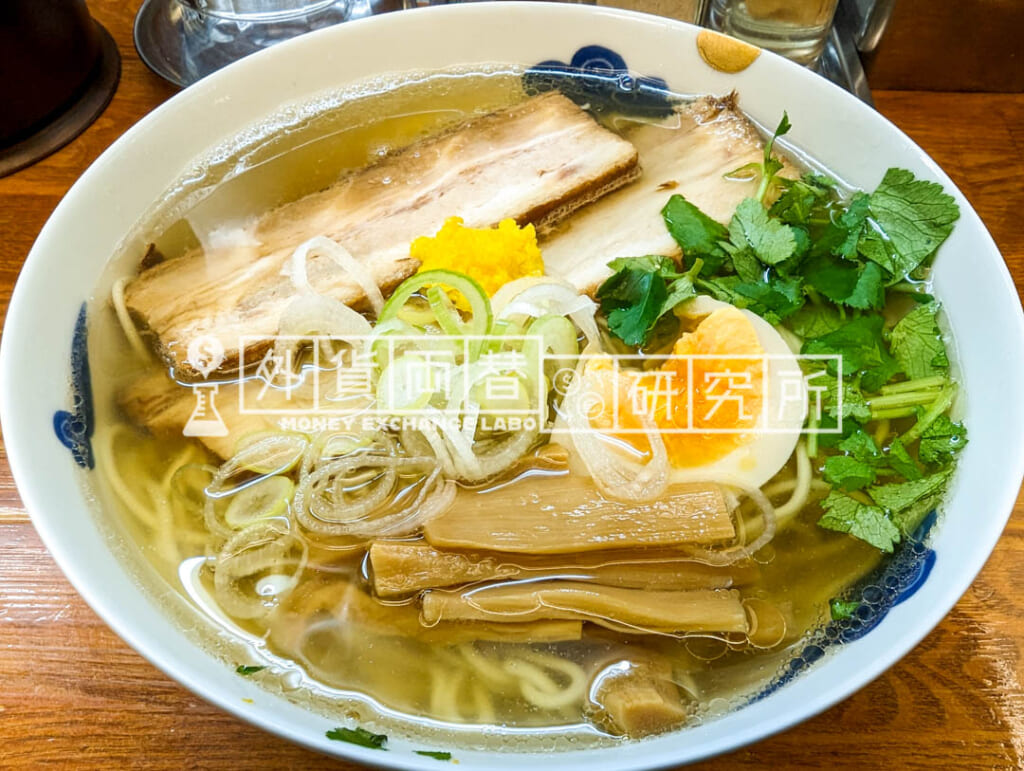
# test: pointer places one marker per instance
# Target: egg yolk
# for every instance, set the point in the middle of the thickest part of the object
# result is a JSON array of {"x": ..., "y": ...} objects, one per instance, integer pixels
[{"x": 713, "y": 386}]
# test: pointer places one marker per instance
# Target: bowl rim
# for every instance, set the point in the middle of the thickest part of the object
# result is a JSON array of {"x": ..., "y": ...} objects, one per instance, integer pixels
[{"x": 19, "y": 432}]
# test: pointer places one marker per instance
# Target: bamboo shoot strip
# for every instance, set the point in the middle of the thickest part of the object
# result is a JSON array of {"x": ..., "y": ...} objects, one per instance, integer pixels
[
  {"x": 568, "y": 515},
  {"x": 718, "y": 610},
  {"x": 642, "y": 701},
  {"x": 536, "y": 161},
  {"x": 354, "y": 606},
  {"x": 402, "y": 568}
]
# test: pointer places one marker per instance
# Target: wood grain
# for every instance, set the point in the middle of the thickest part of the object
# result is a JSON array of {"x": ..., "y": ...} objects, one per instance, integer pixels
[
  {"x": 967, "y": 45},
  {"x": 72, "y": 695}
]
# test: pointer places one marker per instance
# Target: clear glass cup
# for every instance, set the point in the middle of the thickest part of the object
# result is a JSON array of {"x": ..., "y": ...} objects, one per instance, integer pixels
[
  {"x": 797, "y": 29},
  {"x": 185, "y": 40},
  {"x": 685, "y": 10}
]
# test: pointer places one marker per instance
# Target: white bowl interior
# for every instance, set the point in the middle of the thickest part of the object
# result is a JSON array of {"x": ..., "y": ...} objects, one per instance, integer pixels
[{"x": 830, "y": 125}]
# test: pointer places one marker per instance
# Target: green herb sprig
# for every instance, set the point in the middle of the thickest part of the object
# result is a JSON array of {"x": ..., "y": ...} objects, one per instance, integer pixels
[{"x": 801, "y": 256}]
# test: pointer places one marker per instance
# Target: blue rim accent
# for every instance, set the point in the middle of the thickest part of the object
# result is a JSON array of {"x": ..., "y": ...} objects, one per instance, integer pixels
[
  {"x": 599, "y": 77},
  {"x": 74, "y": 429},
  {"x": 896, "y": 581}
]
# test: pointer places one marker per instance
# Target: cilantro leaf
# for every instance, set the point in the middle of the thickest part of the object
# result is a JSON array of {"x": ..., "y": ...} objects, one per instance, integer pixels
[
  {"x": 639, "y": 294},
  {"x": 248, "y": 669},
  {"x": 679, "y": 291},
  {"x": 916, "y": 342},
  {"x": 899, "y": 460},
  {"x": 851, "y": 222},
  {"x": 696, "y": 233},
  {"x": 434, "y": 755},
  {"x": 860, "y": 344},
  {"x": 873, "y": 247},
  {"x": 751, "y": 227},
  {"x": 848, "y": 473},
  {"x": 941, "y": 441},
  {"x": 772, "y": 166},
  {"x": 854, "y": 405},
  {"x": 864, "y": 461},
  {"x": 828, "y": 437},
  {"x": 899, "y": 496},
  {"x": 861, "y": 446},
  {"x": 802, "y": 198},
  {"x": 850, "y": 283},
  {"x": 868, "y": 523},
  {"x": 858, "y": 467},
  {"x": 915, "y": 215},
  {"x": 359, "y": 736},
  {"x": 632, "y": 300},
  {"x": 746, "y": 264},
  {"x": 869, "y": 290},
  {"x": 773, "y": 300},
  {"x": 814, "y": 320},
  {"x": 841, "y": 610},
  {"x": 651, "y": 263}
]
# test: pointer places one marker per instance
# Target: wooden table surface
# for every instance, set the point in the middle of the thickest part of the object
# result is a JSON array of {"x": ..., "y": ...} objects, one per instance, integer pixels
[{"x": 73, "y": 695}]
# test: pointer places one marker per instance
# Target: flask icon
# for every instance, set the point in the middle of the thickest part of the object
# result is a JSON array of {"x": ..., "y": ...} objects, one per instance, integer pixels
[
  {"x": 205, "y": 419},
  {"x": 205, "y": 354}
]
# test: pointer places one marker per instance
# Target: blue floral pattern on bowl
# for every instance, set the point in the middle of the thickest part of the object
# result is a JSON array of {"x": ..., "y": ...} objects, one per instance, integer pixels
[
  {"x": 897, "y": 580},
  {"x": 599, "y": 76},
  {"x": 74, "y": 429}
]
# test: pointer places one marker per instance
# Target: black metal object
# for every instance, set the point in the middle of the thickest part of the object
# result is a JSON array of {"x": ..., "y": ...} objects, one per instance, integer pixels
[
  {"x": 58, "y": 71},
  {"x": 841, "y": 62}
]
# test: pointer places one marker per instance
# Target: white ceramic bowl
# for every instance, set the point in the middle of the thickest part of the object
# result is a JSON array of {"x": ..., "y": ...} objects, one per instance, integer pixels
[{"x": 829, "y": 124}]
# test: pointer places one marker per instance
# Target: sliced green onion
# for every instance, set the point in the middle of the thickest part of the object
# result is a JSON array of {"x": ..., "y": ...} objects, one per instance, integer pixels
[
  {"x": 395, "y": 389},
  {"x": 552, "y": 334},
  {"x": 269, "y": 452},
  {"x": 418, "y": 314},
  {"x": 501, "y": 405},
  {"x": 444, "y": 310},
  {"x": 744, "y": 173},
  {"x": 188, "y": 485},
  {"x": 264, "y": 499},
  {"x": 479, "y": 305},
  {"x": 340, "y": 445}
]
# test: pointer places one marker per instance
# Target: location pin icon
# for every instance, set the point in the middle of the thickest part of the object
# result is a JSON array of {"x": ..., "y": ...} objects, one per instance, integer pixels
[{"x": 205, "y": 354}]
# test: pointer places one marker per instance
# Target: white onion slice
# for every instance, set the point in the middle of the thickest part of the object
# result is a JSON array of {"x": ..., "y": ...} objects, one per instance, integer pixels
[
  {"x": 614, "y": 474},
  {"x": 342, "y": 257},
  {"x": 736, "y": 553},
  {"x": 316, "y": 314},
  {"x": 537, "y": 296}
]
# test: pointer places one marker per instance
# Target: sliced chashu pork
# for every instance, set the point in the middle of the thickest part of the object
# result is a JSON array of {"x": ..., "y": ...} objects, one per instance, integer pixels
[
  {"x": 689, "y": 154},
  {"x": 712, "y": 139},
  {"x": 536, "y": 161}
]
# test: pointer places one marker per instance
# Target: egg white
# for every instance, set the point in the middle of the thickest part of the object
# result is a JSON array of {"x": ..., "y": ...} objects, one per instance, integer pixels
[{"x": 784, "y": 408}]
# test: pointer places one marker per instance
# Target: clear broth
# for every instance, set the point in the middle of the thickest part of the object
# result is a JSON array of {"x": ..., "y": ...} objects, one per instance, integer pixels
[{"x": 412, "y": 684}]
